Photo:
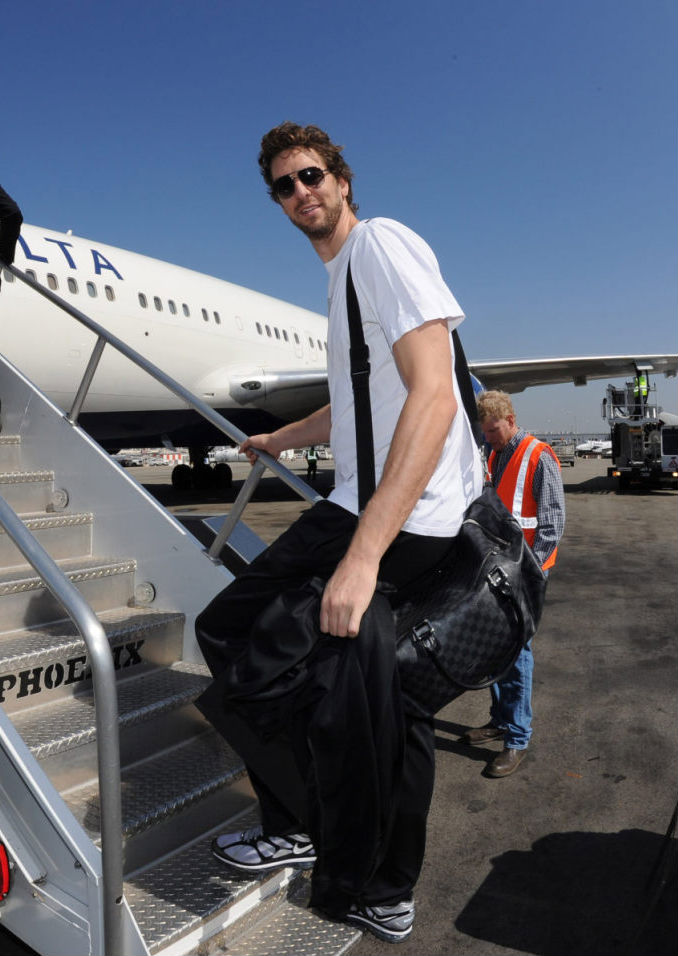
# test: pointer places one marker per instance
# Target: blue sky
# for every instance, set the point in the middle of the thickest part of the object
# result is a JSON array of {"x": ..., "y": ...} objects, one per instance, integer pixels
[{"x": 532, "y": 143}]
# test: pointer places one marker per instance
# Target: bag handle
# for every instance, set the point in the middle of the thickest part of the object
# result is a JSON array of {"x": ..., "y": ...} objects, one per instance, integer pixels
[{"x": 360, "y": 379}]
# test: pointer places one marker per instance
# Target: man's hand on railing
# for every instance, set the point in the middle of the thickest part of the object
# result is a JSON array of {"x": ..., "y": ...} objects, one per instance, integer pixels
[{"x": 268, "y": 443}]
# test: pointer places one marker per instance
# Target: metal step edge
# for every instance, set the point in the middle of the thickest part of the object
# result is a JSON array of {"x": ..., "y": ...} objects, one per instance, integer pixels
[
  {"x": 62, "y": 725},
  {"x": 78, "y": 570},
  {"x": 39, "y": 521},
  {"x": 29, "y": 647},
  {"x": 162, "y": 786},
  {"x": 10, "y": 439},
  {"x": 25, "y": 477}
]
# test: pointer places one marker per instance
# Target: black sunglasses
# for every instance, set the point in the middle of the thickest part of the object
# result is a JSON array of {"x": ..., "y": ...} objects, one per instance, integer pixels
[{"x": 283, "y": 187}]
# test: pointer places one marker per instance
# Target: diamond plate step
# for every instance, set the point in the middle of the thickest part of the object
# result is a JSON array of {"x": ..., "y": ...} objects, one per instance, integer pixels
[
  {"x": 292, "y": 930},
  {"x": 27, "y": 491},
  {"x": 25, "y": 601},
  {"x": 61, "y": 535},
  {"x": 10, "y": 453},
  {"x": 171, "y": 798},
  {"x": 191, "y": 903},
  {"x": 155, "y": 711},
  {"x": 50, "y": 662}
]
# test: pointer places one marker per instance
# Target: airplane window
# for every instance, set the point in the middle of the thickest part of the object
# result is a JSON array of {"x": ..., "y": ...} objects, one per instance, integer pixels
[
  {"x": 91, "y": 290},
  {"x": 311, "y": 342},
  {"x": 172, "y": 307},
  {"x": 285, "y": 336},
  {"x": 157, "y": 302},
  {"x": 205, "y": 315},
  {"x": 320, "y": 345},
  {"x": 72, "y": 284},
  {"x": 110, "y": 294},
  {"x": 268, "y": 330},
  {"x": 259, "y": 328},
  {"x": 186, "y": 309},
  {"x": 52, "y": 281},
  {"x": 143, "y": 301},
  {"x": 277, "y": 334},
  {"x": 7, "y": 275},
  {"x": 217, "y": 318},
  {"x": 31, "y": 275},
  {"x": 296, "y": 339}
]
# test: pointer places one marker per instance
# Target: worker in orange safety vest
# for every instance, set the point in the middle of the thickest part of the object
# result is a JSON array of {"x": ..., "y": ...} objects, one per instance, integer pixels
[{"x": 526, "y": 475}]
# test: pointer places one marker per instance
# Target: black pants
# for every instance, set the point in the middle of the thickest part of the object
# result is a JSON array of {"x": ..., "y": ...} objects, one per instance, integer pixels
[{"x": 279, "y": 768}]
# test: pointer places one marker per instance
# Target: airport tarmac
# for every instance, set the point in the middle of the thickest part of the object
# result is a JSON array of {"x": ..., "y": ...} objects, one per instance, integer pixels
[{"x": 567, "y": 857}]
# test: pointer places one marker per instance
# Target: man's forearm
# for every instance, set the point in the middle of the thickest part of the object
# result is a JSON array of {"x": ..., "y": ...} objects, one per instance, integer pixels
[{"x": 312, "y": 430}]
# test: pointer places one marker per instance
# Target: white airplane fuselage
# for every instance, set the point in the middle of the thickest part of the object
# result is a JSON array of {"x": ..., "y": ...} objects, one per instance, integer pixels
[{"x": 257, "y": 359}]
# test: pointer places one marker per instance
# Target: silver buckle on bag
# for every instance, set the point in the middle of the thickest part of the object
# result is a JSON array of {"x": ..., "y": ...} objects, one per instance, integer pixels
[
  {"x": 498, "y": 580},
  {"x": 423, "y": 634}
]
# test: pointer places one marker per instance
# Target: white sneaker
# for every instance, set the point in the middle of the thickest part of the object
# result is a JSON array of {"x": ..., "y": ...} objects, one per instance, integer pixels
[
  {"x": 391, "y": 923},
  {"x": 252, "y": 851}
]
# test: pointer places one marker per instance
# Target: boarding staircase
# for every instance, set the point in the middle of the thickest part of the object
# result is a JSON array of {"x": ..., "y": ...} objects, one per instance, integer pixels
[{"x": 111, "y": 783}]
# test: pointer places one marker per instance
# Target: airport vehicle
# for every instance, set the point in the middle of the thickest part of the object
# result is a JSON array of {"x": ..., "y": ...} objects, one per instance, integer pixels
[
  {"x": 564, "y": 449},
  {"x": 256, "y": 359},
  {"x": 644, "y": 438}
]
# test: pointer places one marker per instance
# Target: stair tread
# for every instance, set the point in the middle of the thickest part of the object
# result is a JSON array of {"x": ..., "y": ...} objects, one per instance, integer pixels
[
  {"x": 23, "y": 577},
  {"x": 44, "y": 519},
  {"x": 27, "y": 647},
  {"x": 293, "y": 929},
  {"x": 71, "y": 722},
  {"x": 163, "y": 785}
]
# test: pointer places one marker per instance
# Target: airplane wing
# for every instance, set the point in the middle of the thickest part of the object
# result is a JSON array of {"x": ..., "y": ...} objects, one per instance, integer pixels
[
  {"x": 516, "y": 376},
  {"x": 508, "y": 375}
]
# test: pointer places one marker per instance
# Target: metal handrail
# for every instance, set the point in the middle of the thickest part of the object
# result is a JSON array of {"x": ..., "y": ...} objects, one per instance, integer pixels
[
  {"x": 106, "y": 716},
  {"x": 104, "y": 337},
  {"x": 103, "y": 674}
]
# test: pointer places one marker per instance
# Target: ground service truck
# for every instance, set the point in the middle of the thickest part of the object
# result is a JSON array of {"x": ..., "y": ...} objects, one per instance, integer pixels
[{"x": 644, "y": 437}]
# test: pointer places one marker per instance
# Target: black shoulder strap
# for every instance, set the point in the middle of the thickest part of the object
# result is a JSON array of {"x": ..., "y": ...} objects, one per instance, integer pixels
[
  {"x": 360, "y": 378},
  {"x": 362, "y": 407}
]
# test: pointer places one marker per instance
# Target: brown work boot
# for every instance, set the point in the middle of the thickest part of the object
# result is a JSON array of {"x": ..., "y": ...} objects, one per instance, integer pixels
[
  {"x": 480, "y": 735},
  {"x": 505, "y": 763}
]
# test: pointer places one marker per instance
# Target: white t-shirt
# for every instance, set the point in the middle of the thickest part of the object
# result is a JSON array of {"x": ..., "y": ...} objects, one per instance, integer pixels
[{"x": 399, "y": 287}]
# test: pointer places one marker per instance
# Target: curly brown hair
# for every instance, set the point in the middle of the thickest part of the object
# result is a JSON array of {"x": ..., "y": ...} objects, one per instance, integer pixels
[{"x": 292, "y": 136}]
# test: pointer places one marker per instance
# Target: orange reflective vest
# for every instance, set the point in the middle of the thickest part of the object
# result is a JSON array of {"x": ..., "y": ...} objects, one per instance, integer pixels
[{"x": 515, "y": 488}]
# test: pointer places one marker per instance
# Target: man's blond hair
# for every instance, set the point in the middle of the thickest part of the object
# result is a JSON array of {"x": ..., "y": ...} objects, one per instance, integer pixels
[{"x": 494, "y": 404}]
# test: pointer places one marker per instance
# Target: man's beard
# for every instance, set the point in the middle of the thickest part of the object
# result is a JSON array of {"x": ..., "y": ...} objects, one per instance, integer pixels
[{"x": 322, "y": 230}]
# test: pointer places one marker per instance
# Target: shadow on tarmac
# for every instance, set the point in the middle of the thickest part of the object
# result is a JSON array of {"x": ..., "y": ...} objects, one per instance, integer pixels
[{"x": 531, "y": 901}]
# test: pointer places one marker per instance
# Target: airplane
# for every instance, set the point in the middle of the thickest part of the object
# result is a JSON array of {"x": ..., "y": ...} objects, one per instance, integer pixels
[
  {"x": 257, "y": 360},
  {"x": 595, "y": 447}
]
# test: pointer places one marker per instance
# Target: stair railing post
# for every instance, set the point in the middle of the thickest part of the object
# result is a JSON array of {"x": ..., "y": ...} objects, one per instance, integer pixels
[
  {"x": 239, "y": 505},
  {"x": 92, "y": 365}
]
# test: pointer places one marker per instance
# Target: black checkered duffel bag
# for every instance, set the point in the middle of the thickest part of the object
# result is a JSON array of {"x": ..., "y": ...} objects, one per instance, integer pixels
[{"x": 462, "y": 625}]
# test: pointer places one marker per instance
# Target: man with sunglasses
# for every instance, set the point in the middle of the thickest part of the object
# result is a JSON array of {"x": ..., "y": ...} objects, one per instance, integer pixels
[{"x": 428, "y": 471}]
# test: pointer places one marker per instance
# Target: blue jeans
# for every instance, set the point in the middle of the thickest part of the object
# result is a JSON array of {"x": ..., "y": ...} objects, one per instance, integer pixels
[{"x": 512, "y": 701}]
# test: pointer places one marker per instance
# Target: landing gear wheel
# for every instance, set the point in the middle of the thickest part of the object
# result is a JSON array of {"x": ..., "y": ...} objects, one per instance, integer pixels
[
  {"x": 223, "y": 476},
  {"x": 182, "y": 478},
  {"x": 203, "y": 477}
]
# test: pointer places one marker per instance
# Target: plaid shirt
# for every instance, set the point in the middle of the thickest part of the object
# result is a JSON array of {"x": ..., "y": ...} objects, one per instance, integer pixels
[{"x": 547, "y": 488}]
